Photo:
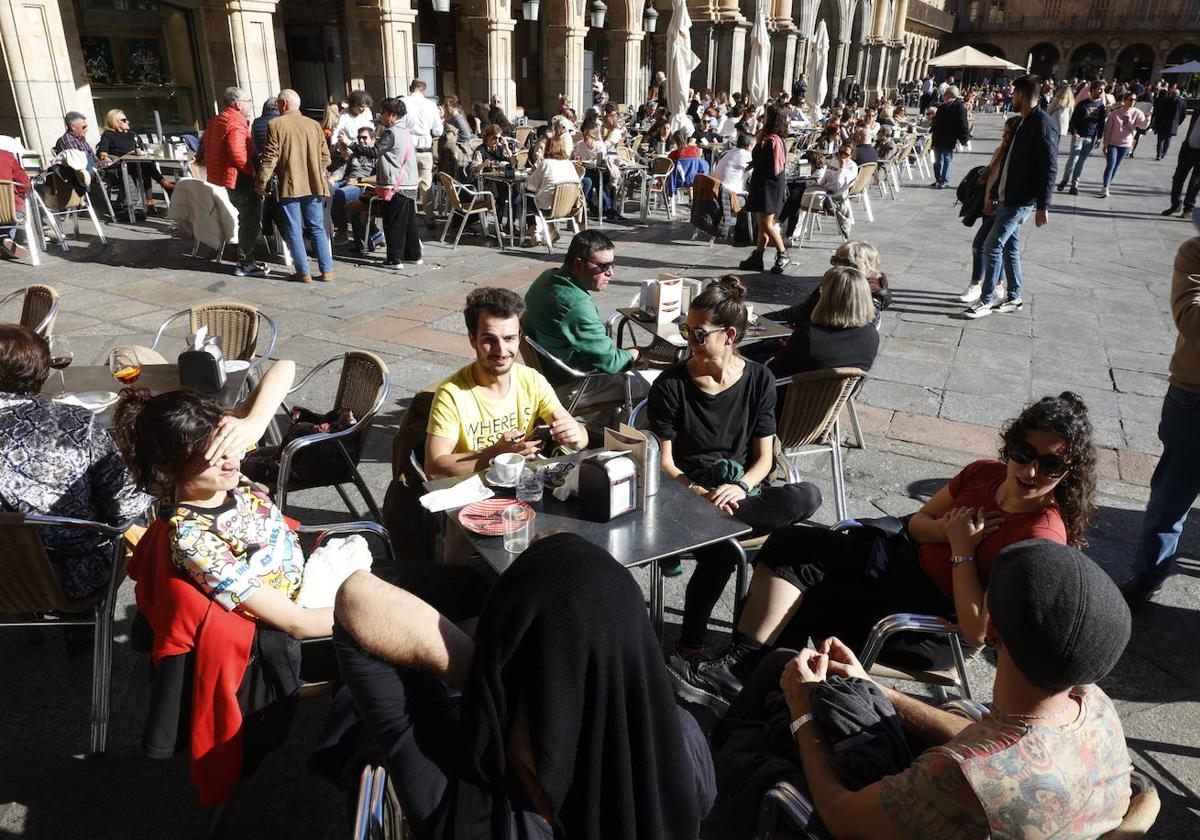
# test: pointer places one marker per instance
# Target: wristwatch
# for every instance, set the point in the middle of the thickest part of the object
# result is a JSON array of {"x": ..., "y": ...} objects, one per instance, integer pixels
[
  {"x": 959, "y": 559},
  {"x": 745, "y": 487},
  {"x": 800, "y": 721}
]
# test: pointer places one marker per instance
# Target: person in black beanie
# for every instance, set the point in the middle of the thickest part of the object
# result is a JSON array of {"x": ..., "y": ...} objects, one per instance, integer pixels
[{"x": 1050, "y": 757}]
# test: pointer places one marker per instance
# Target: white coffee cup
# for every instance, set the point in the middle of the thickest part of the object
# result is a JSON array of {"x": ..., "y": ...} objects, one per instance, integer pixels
[
  {"x": 507, "y": 467},
  {"x": 750, "y": 317}
]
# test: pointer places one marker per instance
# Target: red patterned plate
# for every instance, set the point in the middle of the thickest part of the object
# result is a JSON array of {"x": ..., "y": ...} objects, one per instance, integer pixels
[{"x": 484, "y": 517}]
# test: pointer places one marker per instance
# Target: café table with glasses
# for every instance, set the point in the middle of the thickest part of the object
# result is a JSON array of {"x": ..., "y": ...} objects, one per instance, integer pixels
[
  {"x": 513, "y": 183},
  {"x": 134, "y": 196},
  {"x": 95, "y": 386},
  {"x": 671, "y": 522}
]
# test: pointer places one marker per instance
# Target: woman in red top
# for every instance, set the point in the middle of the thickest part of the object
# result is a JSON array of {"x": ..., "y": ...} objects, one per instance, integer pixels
[
  {"x": 810, "y": 582},
  {"x": 684, "y": 147}
]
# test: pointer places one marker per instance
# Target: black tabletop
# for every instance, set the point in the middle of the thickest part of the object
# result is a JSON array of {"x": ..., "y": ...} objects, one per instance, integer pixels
[
  {"x": 158, "y": 378},
  {"x": 674, "y": 520}
]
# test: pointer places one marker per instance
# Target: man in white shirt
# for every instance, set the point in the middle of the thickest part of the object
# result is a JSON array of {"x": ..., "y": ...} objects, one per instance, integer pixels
[
  {"x": 731, "y": 168},
  {"x": 424, "y": 123},
  {"x": 356, "y": 116}
]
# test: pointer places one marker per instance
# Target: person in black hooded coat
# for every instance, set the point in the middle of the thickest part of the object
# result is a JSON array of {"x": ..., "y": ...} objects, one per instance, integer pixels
[{"x": 566, "y": 726}]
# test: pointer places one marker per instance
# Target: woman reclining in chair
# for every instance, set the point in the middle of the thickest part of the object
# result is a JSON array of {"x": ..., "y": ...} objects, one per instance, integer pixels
[
  {"x": 226, "y": 533},
  {"x": 1042, "y": 488}
]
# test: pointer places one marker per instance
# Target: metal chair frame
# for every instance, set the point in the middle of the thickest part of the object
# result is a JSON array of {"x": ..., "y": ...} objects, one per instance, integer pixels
[
  {"x": 582, "y": 379},
  {"x": 549, "y": 223},
  {"x": 8, "y": 216},
  {"x": 377, "y": 815},
  {"x": 44, "y": 326},
  {"x": 361, "y": 427},
  {"x": 82, "y": 205},
  {"x": 454, "y": 190},
  {"x": 101, "y": 604}
]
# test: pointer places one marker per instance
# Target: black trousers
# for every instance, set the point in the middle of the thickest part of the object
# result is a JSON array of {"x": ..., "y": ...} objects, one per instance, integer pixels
[
  {"x": 848, "y": 587},
  {"x": 774, "y": 507},
  {"x": 1189, "y": 162},
  {"x": 400, "y": 229}
]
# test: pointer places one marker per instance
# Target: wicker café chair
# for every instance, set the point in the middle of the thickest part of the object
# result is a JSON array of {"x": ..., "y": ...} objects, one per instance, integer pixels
[
  {"x": 236, "y": 324},
  {"x": 8, "y": 218},
  {"x": 809, "y": 424},
  {"x": 38, "y": 308},
  {"x": 30, "y": 596},
  {"x": 566, "y": 207},
  {"x": 362, "y": 389}
]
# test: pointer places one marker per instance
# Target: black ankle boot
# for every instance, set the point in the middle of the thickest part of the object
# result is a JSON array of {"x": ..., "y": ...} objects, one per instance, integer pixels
[
  {"x": 782, "y": 260},
  {"x": 716, "y": 682},
  {"x": 754, "y": 262}
]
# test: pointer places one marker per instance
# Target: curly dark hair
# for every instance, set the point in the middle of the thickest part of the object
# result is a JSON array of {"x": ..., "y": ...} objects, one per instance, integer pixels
[
  {"x": 162, "y": 438},
  {"x": 1066, "y": 416}
]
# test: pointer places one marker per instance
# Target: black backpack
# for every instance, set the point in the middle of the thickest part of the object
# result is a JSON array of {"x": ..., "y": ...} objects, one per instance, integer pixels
[{"x": 971, "y": 194}]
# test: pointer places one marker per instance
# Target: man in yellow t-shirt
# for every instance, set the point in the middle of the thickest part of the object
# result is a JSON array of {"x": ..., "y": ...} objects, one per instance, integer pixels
[{"x": 492, "y": 405}]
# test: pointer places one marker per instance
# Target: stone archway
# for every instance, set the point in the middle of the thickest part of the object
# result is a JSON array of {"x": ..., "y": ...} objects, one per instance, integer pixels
[
  {"x": 625, "y": 37},
  {"x": 564, "y": 27},
  {"x": 1182, "y": 54},
  {"x": 1134, "y": 63},
  {"x": 1043, "y": 60},
  {"x": 990, "y": 49},
  {"x": 1087, "y": 61}
]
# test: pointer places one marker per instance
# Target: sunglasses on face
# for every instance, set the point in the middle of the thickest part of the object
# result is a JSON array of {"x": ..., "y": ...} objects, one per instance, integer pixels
[
  {"x": 697, "y": 334},
  {"x": 1049, "y": 465},
  {"x": 601, "y": 267},
  {"x": 123, "y": 119}
]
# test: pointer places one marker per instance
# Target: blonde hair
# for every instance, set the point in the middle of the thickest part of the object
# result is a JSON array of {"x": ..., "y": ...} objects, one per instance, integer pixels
[
  {"x": 110, "y": 120},
  {"x": 1064, "y": 99},
  {"x": 863, "y": 255},
  {"x": 556, "y": 148},
  {"x": 845, "y": 300}
]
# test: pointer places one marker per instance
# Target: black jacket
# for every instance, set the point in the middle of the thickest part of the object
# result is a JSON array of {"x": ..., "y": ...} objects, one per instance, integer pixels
[
  {"x": 1169, "y": 112},
  {"x": 1087, "y": 120},
  {"x": 1032, "y": 162},
  {"x": 950, "y": 125}
]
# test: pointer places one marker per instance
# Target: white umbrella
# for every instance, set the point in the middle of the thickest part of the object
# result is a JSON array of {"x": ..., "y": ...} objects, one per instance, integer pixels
[
  {"x": 1190, "y": 67},
  {"x": 818, "y": 61},
  {"x": 971, "y": 57},
  {"x": 760, "y": 59},
  {"x": 681, "y": 61}
]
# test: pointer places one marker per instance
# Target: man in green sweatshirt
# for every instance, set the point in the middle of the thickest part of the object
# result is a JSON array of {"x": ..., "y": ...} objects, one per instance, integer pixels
[{"x": 562, "y": 318}]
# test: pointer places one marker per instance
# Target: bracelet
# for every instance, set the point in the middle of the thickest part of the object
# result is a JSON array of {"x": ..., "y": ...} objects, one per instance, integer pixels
[
  {"x": 800, "y": 721},
  {"x": 745, "y": 488},
  {"x": 958, "y": 559}
]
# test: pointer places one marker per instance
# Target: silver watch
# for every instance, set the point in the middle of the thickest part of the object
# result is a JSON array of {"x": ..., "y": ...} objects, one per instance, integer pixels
[{"x": 959, "y": 559}]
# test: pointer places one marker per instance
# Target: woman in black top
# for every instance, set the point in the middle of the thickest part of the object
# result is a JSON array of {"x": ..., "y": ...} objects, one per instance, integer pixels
[
  {"x": 715, "y": 417},
  {"x": 119, "y": 140},
  {"x": 768, "y": 189}
]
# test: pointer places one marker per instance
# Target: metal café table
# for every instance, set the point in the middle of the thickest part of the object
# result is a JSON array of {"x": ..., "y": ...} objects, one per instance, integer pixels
[
  {"x": 673, "y": 521},
  {"x": 134, "y": 196},
  {"x": 512, "y": 181},
  {"x": 160, "y": 379}
]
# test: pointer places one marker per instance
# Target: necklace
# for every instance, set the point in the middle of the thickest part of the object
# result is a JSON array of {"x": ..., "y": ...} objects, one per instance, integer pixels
[{"x": 1049, "y": 716}]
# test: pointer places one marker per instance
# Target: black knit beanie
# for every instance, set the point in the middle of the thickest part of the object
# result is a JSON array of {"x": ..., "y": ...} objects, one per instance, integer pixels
[{"x": 1061, "y": 617}]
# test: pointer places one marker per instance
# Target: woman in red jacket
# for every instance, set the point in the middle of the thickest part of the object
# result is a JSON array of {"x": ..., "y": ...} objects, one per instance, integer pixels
[{"x": 10, "y": 170}]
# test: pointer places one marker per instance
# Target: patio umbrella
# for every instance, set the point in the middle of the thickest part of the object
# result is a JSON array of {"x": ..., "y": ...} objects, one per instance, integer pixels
[
  {"x": 970, "y": 57},
  {"x": 681, "y": 61},
  {"x": 1190, "y": 67},
  {"x": 818, "y": 61},
  {"x": 760, "y": 59}
]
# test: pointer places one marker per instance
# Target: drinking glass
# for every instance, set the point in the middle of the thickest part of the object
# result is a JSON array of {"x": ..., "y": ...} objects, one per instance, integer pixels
[
  {"x": 517, "y": 521},
  {"x": 61, "y": 355},
  {"x": 124, "y": 366},
  {"x": 529, "y": 486}
]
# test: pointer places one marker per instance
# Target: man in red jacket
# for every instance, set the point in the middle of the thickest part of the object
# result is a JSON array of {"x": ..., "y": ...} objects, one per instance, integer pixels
[
  {"x": 10, "y": 170},
  {"x": 228, "y": 159}
]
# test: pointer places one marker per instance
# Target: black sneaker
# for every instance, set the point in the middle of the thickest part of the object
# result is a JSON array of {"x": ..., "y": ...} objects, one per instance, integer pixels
[
  {"x": 781, "y": 262},
  {"x": 1187, "y": 211},
  {"x": 1010, "y": 305},
  {"x": 754, "y": 262},
  {"x": 1139, "y": 591},
  {"x": 1171, "y": 211},
  {"x": 711, "y": 683},
  {"x": 1074, "y": 190},
  {"x": 671, "y": 567},
  {"x": 1062, "y": 186}
]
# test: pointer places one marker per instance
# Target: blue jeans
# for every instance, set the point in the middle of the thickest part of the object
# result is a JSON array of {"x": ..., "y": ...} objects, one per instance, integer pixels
[
  {"x": 978, "y": 263},
  {"x": 306, "y": 212},
  {"x": 942, "y": 159},
  {"x": 586, "y": 184},
  {"x": 341, "y": 197},
  {"x": 1075, "y": 160},
  {"x": 1002, "y": 250},
  {"x": 1173, "y": 487},
  {"x": 1113, "y": 158}
]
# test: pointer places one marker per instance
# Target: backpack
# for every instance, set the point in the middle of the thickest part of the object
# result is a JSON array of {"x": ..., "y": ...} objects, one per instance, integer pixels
[{"x": 972, "y": 195}]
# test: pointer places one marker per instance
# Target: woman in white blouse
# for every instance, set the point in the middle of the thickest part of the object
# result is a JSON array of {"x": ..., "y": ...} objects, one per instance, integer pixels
[{"x": 553, "y": 169}]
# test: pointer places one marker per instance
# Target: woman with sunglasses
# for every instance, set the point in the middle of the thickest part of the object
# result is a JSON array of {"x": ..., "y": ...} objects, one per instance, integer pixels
[
  {"x": 1042, "y": 488},
  {"x": 715, "y": 417},
  {"x": 118, "y": 140}
]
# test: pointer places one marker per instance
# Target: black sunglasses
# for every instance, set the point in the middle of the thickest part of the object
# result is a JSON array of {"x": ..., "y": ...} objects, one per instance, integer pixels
[
  {"x": 697, "y": 334},
  {"x": 1049, "y": 465},
  {"x": 602, "y": 267}
]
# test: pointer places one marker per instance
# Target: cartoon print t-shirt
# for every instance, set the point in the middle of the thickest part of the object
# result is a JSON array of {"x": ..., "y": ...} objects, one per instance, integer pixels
[
  {"x": 231, "y": 550},
  {"x": 463, "y": 413}
]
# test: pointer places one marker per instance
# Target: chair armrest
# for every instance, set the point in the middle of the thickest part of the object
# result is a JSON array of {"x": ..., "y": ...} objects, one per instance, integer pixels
[
  {"x": 785, "y": 806},
  {"x": 970, "y": 709},
  {"x": 889, "y": 626},
  {"x": 296, "y": 444},
  {"x": 365, "y": 526},
  {"x": 311, "y": 373}
]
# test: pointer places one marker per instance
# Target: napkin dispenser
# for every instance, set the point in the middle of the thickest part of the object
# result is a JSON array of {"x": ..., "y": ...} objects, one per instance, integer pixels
[
  {"x": 202, "y": 366},
  {"x": 607, "y": 486}
]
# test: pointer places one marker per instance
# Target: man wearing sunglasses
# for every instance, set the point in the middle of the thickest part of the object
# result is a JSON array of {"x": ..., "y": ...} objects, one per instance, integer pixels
[{"x": 562, "y": 318}]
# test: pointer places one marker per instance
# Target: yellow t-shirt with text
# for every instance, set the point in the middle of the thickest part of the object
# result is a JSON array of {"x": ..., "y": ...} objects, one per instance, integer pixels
[{"x": 465, "y": 414}]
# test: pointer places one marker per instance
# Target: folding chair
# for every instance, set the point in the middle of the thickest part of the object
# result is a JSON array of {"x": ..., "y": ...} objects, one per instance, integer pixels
[
  {"x": 30, "y": 596},
  {"x": 482, "y": 203},
  {"x": 566, "y": 207},
  {"x": 362, "y": 389},
  {"x": 809, "y": 422},
  {"x": 38, "y": 308},
  {"x": 377, "y": 816},
  {"x": 58, "y": 199},
  {"x": 659, "y": 174}
]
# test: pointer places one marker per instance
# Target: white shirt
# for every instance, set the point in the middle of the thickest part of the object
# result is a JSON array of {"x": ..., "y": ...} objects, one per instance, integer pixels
[
  {"x": 545, "y": 176},
  {"x": 422, "y": 120},
  {"x": 927, "y": 86},
  {"x": 838, "y": 176},
  {"x": 597, "y": 152},
  {"x": 731, "y": 170},
  {"x": 348, "y": 124}
]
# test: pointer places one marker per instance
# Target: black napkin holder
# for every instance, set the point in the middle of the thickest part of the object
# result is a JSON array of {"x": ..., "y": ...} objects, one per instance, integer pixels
[{"x": 201, "y": 371}]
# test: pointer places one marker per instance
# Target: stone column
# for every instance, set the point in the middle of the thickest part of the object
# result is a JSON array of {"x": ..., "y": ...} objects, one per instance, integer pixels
[
  {"x": 484, "y": 42},
  {"x": 704, "y": 45},
  {"x": 732, "y": 55},
  {"x": 626, "y": 67},
  {"x": 562, "y": 66},
  {"x": 783, "y": 59},
  {"x": 41, "y": 72},
  {"x": 839, "y": 54},
  {"x": 385, "y": 58},
  {"x": 242, "y": 47}
]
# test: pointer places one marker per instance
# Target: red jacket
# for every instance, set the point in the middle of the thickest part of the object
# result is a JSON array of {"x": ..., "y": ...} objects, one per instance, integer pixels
[
  {"x": 227, "y": 148},
  {"x": 10, "y": 170}
]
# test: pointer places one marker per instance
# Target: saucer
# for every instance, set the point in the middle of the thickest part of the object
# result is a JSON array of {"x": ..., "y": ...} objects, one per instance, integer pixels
[{"x": 495, "y": 480}]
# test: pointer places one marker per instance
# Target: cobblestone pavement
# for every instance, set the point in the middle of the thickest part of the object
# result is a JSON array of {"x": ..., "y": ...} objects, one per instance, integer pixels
[{"x": 1095, "y": 320}]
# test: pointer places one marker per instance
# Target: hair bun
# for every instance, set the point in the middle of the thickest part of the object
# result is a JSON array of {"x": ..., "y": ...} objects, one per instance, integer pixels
[{"x": 733, "y": 287}]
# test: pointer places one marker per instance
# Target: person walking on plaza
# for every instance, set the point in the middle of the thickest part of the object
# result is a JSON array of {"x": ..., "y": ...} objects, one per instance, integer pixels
[
  {"x": 1188, "y": 168},
  {"x": 1086, "y": 127},
  {"x": 767, "y": 190},
  {"x": 1170, "y": 108},
  {"x": 423, "y": 122},
  {"x": 397, "y": 182},
  {"x": 949, "y": 128},
  {"x": 229, "y": 162},
  {"x": 1176, "y": 480},
  {"x": 1120, "y": 129},
  {"x": 1025, "y": 185},
  {"x": 298, "y": 154}
]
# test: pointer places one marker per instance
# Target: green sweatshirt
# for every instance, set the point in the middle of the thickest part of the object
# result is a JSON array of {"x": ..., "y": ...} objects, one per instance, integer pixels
[{"x": 561, "y": 316}]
